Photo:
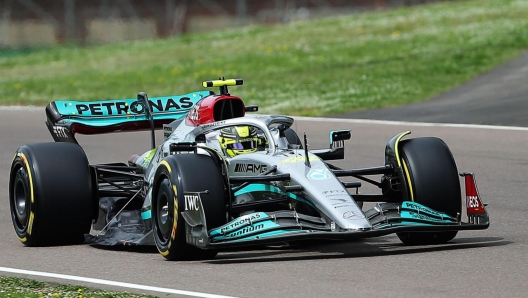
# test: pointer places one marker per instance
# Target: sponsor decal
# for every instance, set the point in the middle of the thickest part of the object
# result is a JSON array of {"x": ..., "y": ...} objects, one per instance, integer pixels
[
  {"x": 191, "y": 201},
  {"x": 61, "y": 132},
  {"x": 352, "y": 215},
  {"x": 340, "y": 201},
  {"x": 424, "y": 217},
  {"x": 260, "y": 116},
  {"x": 472, "y": 202},
  {"x": 342, "y": 206},
  {"x": 318, "y": 174},
  {"x": 240, "y": 221},
  {"x": 249, "y": 167},
  {"x": 167, "y": 131},
  {"x": 193, "y": 113},
  {"x": 348, "y": 215},
  {"x": 335, "y": 193},
  {"x": 297, "y": 159},
  {"x": 205, "y": 126},
  {"x": 148, "y": 157},
  {"x": 421, "y": 208},
  {"x": 246, "y": 230},
  {"x": 122, "y": 107}
]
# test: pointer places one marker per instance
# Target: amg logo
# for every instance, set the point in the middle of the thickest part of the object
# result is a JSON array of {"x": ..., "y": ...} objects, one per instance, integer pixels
[
  {"x": 191, "y": 202},
  {"x": 61, "y": 132},
  {"x": 249, "y": 167}
]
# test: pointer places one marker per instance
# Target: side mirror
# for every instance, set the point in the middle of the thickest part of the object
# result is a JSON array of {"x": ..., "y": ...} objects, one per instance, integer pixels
[
  {"x": 339, "y": 135},
  {"x": 337, "y": 146},
  {"x": 252, "y": 108}
]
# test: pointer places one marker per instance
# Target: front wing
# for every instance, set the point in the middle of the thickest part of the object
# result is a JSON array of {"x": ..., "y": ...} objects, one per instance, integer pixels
[{"x": 282, "y": 226}]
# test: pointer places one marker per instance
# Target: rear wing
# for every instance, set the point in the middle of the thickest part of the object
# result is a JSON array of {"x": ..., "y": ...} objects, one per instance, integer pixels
[{"x": 66, "y": 118}]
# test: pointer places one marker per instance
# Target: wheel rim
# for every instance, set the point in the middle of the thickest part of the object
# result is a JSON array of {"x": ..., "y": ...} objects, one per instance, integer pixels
[
  {"x": 20, "y": 199},
  {"x": 163, "y": 218}
]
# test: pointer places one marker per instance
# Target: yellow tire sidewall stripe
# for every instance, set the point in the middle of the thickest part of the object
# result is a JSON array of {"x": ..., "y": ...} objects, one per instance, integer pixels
[
  {"x": 30, "y": 224},
  {"x": 175, "y": 221},
  {"x": 32, "y": 195},
  {"x": 30, "y": 176},
  {"x": 396, "y": 146},
  {"x": 409, "y": 182}
]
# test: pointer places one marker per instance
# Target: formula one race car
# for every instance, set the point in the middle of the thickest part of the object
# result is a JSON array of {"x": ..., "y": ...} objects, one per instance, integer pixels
[{"x": 224, "y": 179}]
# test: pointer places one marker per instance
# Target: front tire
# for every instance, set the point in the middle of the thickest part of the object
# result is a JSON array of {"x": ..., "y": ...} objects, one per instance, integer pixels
[
  {"x": 432, "y": 180},
  {"x": 50, "y": 194},
  {"x": 175, "y": 175}
]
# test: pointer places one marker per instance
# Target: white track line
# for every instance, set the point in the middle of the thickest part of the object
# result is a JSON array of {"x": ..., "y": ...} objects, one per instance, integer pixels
[
  {"x": 342, "y": 120},
  {"x": 112, "y": 283},
  {"x": 21, "y": 108}
]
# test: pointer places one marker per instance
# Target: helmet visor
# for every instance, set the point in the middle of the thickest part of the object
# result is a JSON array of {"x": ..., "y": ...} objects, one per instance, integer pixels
[{"x": 242, "y": 145}]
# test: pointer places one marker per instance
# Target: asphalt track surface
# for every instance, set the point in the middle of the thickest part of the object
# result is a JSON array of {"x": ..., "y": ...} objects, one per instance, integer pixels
[{"x": 489, "y": 263}]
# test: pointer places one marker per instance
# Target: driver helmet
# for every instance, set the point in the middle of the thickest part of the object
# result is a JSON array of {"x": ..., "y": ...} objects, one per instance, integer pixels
[{"x": 237, "y": 140}]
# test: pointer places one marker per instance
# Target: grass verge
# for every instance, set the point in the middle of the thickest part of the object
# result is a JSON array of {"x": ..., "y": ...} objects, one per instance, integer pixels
[
  {"x": 327, "y": 66},
  {"x": 24, "y": 288}
]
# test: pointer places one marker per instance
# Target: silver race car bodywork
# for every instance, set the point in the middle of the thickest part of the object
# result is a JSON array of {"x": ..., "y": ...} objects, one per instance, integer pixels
[{"x": 189, "y": 198}]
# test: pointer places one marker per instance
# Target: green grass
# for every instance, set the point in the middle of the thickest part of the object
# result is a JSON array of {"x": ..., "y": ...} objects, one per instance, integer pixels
[
  {"x": 318, "y": 67},
  {"x": 24, "y": 288}
]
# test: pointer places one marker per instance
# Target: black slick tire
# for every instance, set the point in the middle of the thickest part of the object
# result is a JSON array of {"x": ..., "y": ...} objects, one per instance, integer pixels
[
  {"x": 51, "y": 194},
  {"x": 432, "y": 180},
  {"x": 175, "y": 175}
]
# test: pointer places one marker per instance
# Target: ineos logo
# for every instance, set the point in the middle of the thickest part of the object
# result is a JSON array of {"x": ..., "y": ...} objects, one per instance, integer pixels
[
  {"x": 61, "y": 132},
  {"x": 472, "y": 201},
  {"x": 191, "y": 202}
]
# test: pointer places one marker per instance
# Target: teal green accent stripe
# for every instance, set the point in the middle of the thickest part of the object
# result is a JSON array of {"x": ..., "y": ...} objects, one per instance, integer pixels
[
  {"x": 270, "y": 188},
  {"x": 258, "y": 187},
  {"x": 146, "y": 215}
]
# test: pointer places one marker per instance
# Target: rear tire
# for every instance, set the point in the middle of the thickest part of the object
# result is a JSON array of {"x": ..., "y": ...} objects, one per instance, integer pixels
[
  {"x": 432, "y": 179},
  {"x": 50, "y": 194},
  {"x": 175, "y": 175}
]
